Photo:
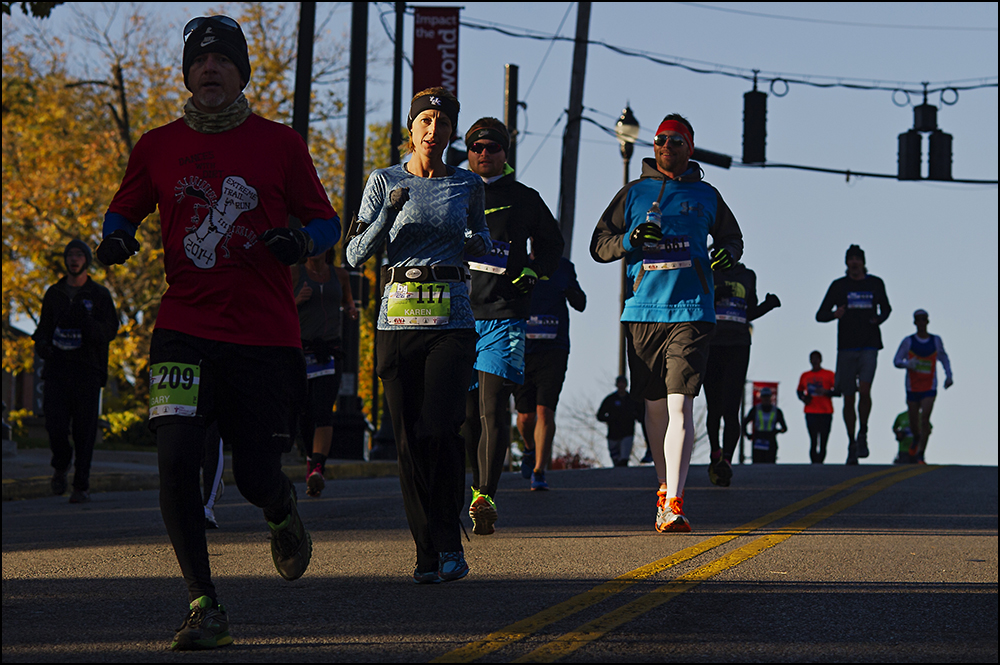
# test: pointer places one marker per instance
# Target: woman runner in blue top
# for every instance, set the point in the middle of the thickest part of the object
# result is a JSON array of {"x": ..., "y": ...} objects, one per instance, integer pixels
[{"x": 430, "y": 214}]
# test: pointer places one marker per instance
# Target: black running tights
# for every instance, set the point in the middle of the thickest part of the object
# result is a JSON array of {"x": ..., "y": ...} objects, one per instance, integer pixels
[
  {"x": 487, "y": 430},
  {"x": 258, "y": 477}
]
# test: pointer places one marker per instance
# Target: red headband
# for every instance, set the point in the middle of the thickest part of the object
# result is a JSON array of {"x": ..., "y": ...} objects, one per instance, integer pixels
[{"x": 675, "y": 126}]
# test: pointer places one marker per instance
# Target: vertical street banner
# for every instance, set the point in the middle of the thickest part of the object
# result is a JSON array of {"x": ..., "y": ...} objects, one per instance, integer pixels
[
  {"x": 759, "y": 385},
  {"x": 435, "y": 48}
]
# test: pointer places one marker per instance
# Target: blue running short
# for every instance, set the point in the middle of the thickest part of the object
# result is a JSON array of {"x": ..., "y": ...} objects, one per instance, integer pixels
[{"x": 500, "y": 349}]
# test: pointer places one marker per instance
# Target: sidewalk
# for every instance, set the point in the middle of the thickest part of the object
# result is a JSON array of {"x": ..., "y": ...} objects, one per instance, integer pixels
[{"x": 26, "y": 472}]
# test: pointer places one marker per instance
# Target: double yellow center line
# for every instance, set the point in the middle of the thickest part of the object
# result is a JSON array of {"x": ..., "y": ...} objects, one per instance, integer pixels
[{"x": 569, "y": 642}]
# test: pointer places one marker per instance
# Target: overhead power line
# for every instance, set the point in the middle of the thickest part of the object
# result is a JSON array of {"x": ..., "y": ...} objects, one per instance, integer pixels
[
  {"x": 848, "y": 173},
  {"x": 851, "y": 24},
  {"x": 699, "y": 67}
]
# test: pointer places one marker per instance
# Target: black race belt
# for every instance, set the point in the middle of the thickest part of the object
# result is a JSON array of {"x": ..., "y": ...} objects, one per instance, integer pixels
[{"x": 424, "y": 274}]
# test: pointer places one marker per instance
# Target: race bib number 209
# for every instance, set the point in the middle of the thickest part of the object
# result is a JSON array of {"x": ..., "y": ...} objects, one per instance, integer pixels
[{"x": 173, "y": 389}]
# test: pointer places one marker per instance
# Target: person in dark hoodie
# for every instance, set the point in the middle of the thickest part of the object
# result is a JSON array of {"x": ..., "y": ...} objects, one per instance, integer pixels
[
  {"x": 729, "y": 356},
  {"x": 76, "y": 326},
  {"x": 659, "y": 225},
  {"x": 859, "y": 304},
  {"x": 546, "y": 357},
  {"x": 502, "y": 282}
]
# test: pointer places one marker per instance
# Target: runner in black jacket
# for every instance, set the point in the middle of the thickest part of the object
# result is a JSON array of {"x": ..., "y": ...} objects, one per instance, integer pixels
[
  {"x": 76, "y": 325},
  {"x": 501, "y": 301},
  {"x": 859, "y": 303}
]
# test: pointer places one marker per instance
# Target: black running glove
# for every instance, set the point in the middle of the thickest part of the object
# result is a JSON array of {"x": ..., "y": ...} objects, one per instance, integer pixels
[
  {"x": 721, "y": 260},
  {"x": 526, "y": 281},
  {"x": 398, "y": 197},
  {"x": 645, "y": 232},
  {"x": 476, "y": 246},
  {"x": 116, "y": 248},
  {"x": 291, "y": 246}
]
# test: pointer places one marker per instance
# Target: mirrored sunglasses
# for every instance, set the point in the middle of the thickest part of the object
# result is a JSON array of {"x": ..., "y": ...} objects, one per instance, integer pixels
[
  {"x": 677, "y": 141},
  {"x": 223, "y": 21}
]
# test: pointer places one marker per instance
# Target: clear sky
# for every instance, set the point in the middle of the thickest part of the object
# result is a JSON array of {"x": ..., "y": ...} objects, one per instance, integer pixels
[{"x": 934, "y": 244}]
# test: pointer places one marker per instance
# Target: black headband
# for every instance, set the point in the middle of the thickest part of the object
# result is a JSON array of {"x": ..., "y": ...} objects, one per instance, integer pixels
[
  {"x": 490, "y": 133},
  {"x": 433, "y": 103}
]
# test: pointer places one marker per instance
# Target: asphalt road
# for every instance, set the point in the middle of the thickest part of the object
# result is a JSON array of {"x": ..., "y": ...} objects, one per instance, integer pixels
[{"x": 791, "y": 563}]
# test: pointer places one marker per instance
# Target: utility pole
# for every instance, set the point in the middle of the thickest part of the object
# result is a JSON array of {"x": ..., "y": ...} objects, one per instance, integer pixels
[
  {"x": 303, "y": 80},
  {"x": 510, "y": 111},
  {"x": 303, "y": 69},
  {"x": 349, "y": 425},
  {"x": 571, "y": 137},
  {"x": 395, "y": 141},
  {"x": 383, "y": 440}
]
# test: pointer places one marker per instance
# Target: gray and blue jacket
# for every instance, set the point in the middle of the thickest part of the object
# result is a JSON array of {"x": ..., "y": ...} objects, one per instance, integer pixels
[
  {"x": 430, "y": 230},
  {"x": 691, "y": 210}
]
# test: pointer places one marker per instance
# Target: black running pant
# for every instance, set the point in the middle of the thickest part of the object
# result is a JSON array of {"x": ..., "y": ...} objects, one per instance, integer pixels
[
  {"x": 71, "y": 403},
  {"x": 767, "y": 455},
  {"x": 425, "y": 376},
  {"x": 487, "y": 430},
  {"x": 818, "y": 425},
  {"x": 249, "y": 391},
  {"x": 321, "y": 395},
  {"x": 724, "y": 380}
]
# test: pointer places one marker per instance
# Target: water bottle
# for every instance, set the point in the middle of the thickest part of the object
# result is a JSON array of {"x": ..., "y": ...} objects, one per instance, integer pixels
[{"x": 653, "y": 216}]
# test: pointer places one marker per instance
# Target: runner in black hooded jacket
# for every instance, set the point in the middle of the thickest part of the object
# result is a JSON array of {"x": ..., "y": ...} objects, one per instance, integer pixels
[{"x": 501, "y": 303}]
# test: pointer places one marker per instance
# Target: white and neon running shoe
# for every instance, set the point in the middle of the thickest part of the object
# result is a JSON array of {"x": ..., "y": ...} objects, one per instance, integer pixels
[{"x": 483, "y": 513}]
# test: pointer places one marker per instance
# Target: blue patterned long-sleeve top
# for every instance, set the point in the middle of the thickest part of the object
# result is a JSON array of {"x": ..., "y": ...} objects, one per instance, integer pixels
[{"x": 430, "y": 230}]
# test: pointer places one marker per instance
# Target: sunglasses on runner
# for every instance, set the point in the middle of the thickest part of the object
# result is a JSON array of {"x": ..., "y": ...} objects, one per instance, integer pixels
[
  {"x": 224, "y": 22},
  {"x": 491, "y": 147},
  {"x": 676, "y": 141}
]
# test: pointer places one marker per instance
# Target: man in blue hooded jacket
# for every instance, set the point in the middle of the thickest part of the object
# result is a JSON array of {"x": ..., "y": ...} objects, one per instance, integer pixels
[{"x": 659, "y": 225}]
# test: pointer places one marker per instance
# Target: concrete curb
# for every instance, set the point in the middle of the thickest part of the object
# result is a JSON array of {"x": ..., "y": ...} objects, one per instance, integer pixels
[{"x": 37, "y": 487}]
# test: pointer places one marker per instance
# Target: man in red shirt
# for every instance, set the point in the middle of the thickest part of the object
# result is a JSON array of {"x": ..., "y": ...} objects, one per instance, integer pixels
[
  {"x": 816, "y": 387},
  {"x": 226, "y": 346}
]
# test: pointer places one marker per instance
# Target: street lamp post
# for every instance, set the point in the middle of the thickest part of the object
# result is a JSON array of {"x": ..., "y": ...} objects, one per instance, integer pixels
[{"x": 627, "y": 131}]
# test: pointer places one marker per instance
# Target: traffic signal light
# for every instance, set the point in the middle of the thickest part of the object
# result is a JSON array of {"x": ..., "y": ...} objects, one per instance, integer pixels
[
  {"x": 754, "y": 126},
  {"x": 909, "y": 155},
  {"x": 925, "y": 117},
  {"x": 940, "y": 156}
]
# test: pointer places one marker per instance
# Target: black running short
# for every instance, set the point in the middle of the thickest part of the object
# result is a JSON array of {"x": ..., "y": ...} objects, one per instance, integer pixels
[
  {"x": 544, "y": 373},
  {"x": 247, "y": 389},
  {"x": 668, "y": 358}
]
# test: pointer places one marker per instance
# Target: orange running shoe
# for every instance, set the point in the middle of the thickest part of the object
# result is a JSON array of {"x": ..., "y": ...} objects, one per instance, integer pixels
[{"x": 670, "y": 514}]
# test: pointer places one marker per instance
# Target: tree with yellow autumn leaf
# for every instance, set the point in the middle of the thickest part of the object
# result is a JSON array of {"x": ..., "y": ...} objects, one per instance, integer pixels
[{"x": 67, "y": 135}]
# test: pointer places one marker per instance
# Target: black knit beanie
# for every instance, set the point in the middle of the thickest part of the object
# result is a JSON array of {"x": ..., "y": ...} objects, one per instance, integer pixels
[
  {"x": 216, "y": 36},
  {"x": 83, "y": 247}
]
